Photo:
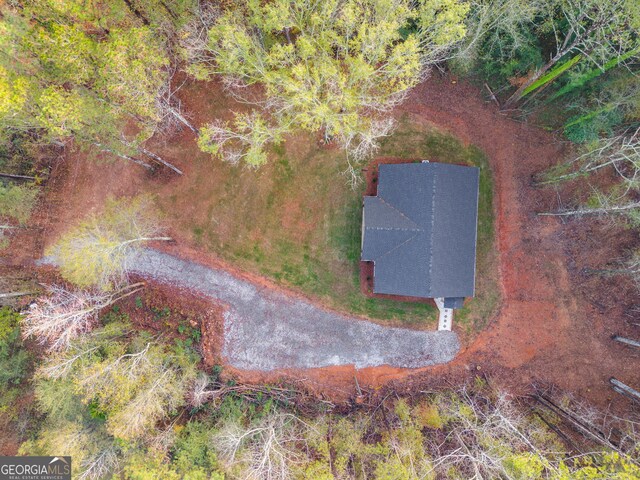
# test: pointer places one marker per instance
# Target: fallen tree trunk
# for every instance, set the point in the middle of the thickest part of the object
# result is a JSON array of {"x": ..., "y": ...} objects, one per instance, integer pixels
[
  {"x": 183, "y": 120},
  {"x": 625, "y": 389},
  {"x": 559, "y": 432},
  {"x": 16, "y": 177},
  {"x": 626, "y": 341},
  {"x": 125, "y": 157},
  {"x": 159, "y": 159},
  {"x": 593, "y": 211},
  {"x": 15, "y": 294},
  {"x": 583, "y": 427}
]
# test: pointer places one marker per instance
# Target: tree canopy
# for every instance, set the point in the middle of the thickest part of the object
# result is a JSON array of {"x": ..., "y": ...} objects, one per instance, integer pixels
[
  {"x": 95, "y": 253},
  {"x": 336, "y": 66},
  {"x": 85, "y": 70}
]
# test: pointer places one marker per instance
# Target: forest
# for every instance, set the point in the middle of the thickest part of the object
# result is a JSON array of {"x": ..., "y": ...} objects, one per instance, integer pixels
[{"x": 243, "y": 135}]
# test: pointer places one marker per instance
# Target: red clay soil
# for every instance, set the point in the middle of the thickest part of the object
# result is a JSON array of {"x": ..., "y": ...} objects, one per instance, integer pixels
[
  {"x": 546, "y": 331},
  {"x": 176, "y": 314},
  {"x": 548, "y": 328}
]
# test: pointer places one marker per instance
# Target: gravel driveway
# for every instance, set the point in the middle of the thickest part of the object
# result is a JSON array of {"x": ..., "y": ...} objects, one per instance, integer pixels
[{"x": 267, "y": 330}]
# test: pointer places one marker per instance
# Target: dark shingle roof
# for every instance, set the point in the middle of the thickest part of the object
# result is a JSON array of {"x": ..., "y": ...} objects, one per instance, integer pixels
[
  {"x": 420, "y": 231},
  {"x": 453, "y": 302}
]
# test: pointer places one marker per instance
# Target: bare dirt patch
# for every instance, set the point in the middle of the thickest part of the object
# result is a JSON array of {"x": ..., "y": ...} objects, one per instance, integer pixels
[{"x": 177, "y": 315}]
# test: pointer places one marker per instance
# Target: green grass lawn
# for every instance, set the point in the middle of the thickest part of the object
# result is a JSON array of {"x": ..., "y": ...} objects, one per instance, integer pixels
[
  {"x": 412, "y": 141},
  {"x": 297, "y": 221}
]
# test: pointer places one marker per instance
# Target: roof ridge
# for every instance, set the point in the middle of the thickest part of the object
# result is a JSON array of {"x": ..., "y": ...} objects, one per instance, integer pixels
[
  {"x": 396, "y": 229},
  {"x": 431, "y": 233},
  {"x": 398, "y": 245},
  {"x": 403, "y": 215}
]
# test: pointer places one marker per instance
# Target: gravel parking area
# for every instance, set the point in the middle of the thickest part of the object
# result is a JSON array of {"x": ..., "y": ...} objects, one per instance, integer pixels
[{"x": 267, "y": 330}]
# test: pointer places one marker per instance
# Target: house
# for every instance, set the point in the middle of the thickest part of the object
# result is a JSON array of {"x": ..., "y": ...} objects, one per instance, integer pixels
[{"x": 420, "y": 231}]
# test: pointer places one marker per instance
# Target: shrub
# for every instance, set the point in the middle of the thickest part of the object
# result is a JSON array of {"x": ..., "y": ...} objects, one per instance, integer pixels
[
  {"x": 14, "y": 359},
  {"x": 17, "y": 201}
]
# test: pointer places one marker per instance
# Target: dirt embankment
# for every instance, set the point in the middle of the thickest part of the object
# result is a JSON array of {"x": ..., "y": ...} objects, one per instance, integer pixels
[{"x": 554, "y": 324}]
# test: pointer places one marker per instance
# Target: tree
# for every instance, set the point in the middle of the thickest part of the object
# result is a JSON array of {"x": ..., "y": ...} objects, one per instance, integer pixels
[
  {"x": 14, "y": 359},
  {"x": 337, "y": 67},
  {"x": 97, "y": 252},
  {"x": 244, "y": 141},
  {"x": 503, "y": 24},
  {"x": 16, "y": 203},
  {"x": 584, "y": 29},
  {"x": 131, "y": 381},
  {"x": 84, "y": 438},
  {"x": 487, "y": 433},
  {"x": 59, "y": 318},
  {"x": 612, "y": 110},
  {"x": 193, "y": 454},
  {"x": 150, "y": 465},
  {"x": 132, "y": 72},
  {"x": 103, "y": 397},
  {"x": 193, "y": 40},
  {"x": 618, "y": 152},
  {"x": 94, "y": 454},
  {"x": 86, "y": 71},
  {"x": 266, "y": 450},
  {"x": 499, "y": 38}
]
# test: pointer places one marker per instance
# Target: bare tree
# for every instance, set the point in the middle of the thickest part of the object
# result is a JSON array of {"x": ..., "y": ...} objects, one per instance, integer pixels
[
  {"x": 244, "y": 141},
  {"x": 264, "y": 451},
  {"x": 194, "y": 39},
  {"x": 620, "y": 152},
  {"x": 169, "y": 108},
  {"x": 199, "y": 393},
  {"x": 60, "y": 364},
  {"x": 483, "y": 434},
  {"x": 100, "y": 464},
  {"x": 59, "y": 318},
  {"x": 153, "y": 401},
  {"x": 364, "y": 144}
]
